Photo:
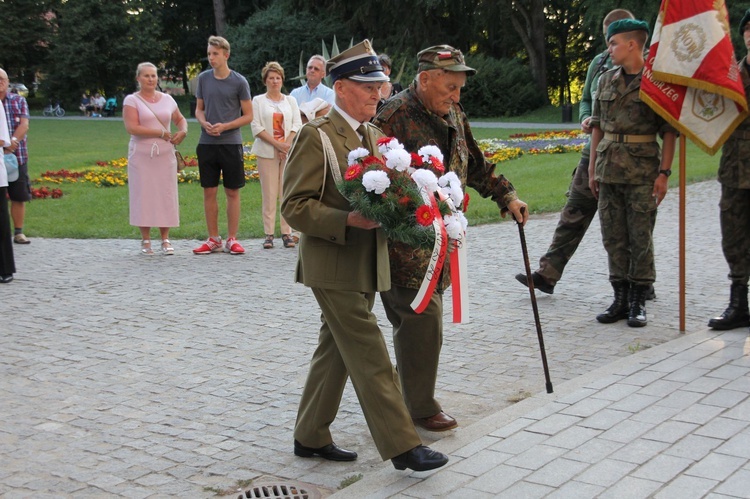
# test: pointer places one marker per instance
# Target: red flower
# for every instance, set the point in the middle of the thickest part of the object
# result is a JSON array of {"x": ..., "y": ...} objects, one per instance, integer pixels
[
  {"x": 416, "y": 160},
  {"x": 372, "y": 160},
  {"x": 384, "y": 140},
  {"x": 437, "y": 164},
  {"x": 353, "y": 172},
  {"x": 424, "y": 215},
  {"x": 404, "y": 200},
  {"x": 466, "y": 202}
]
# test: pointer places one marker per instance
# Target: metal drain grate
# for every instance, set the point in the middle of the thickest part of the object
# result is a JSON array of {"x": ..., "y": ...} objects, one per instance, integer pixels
[{"x": 280, "y": 490}]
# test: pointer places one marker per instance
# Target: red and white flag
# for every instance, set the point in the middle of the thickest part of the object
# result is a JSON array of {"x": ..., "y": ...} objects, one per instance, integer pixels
[{"x": 691, "y": 77}]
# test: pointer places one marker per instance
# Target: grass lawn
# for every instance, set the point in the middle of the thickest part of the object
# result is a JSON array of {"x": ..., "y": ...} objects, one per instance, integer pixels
[{"x": 87, "y": 211}]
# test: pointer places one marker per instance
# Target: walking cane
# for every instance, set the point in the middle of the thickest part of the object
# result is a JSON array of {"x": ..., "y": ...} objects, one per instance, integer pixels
[{"x": 530, "y": 283}]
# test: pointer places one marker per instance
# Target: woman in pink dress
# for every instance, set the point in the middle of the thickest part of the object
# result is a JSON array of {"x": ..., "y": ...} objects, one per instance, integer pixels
[{"x": 152, "y": 167}]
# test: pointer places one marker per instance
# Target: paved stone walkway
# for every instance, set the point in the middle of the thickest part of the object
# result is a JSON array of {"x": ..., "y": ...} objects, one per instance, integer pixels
[{"x": 132, "y": 376}]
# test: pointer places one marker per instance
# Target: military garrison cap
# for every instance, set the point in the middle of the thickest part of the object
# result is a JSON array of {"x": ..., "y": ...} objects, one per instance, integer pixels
[
  {"x": 443, "y": 57},
  {"x": 744, "y": 21},
  {"x": 358, "y": 63},
  {"x": 626, "y": 25}
]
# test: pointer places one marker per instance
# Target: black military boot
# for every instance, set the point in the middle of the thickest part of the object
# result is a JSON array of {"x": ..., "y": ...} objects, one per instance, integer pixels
[
  {"x": 619, "y": 308},
  {"x": 737, "y": 314},
  {"x": 637, "y": 314}
]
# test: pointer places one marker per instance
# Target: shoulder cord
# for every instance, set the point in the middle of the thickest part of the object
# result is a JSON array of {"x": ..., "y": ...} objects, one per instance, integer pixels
[{"x": 329, "y": 160}]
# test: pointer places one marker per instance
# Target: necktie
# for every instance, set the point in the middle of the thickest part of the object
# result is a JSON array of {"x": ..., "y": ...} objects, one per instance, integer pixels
[{"x": 365, "y": 137}]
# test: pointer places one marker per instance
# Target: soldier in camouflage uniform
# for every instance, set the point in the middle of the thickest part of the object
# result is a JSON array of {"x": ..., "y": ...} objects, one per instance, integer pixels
[
  {"x": 627, "y": 173},
  {"x": 734, "y": 176},
  {"x": 581, "y": 205},
  {"x": 428, "y": 112}
]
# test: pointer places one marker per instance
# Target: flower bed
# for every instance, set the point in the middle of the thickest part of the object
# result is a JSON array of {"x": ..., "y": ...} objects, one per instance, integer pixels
[
  {"x": 549, "y": 142},
  {"x": 114, "y": 174}
]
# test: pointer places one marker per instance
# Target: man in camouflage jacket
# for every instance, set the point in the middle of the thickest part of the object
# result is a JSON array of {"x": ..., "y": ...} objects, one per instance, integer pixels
[
  {"x": 428, "y": 112},
  {"x": 627, "y": 172},
  {"x": 734, "y": 176}
]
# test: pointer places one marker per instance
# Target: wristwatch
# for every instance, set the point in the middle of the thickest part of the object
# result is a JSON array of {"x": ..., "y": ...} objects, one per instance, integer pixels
[{"x": 665, "y": 172}]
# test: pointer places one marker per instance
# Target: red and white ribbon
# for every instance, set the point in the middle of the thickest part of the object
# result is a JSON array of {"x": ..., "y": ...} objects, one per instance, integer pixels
[
  {"x": 458, "y": 258},
  {"x": 437, "y": 259}
]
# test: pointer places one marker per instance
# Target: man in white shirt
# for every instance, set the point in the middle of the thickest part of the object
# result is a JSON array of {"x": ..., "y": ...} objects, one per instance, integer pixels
[{"x": 314, "y": 98}]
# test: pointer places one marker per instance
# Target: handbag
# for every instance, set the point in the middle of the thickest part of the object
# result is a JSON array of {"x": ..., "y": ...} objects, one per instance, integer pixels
[
  {"x": 180, "y": 161},
  {"x": 178, "y": 156},
  {"x": 11, "y": 166}
]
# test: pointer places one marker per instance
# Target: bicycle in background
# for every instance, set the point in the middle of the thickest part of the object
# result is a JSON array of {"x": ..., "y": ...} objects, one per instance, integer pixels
[{"x": 55, "y": 110}]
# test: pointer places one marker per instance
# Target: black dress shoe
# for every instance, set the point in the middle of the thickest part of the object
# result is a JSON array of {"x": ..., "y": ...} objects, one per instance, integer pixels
[
  {"x": 332, "y": 452},
  {"x": 540, "y": 282},
  {"x": 6, "y": 278},
  {"x": 420, "y": 458}
]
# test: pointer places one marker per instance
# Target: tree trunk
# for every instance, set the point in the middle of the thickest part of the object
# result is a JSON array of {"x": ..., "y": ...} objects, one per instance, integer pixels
[
  {"x": 220, "y": 17},
  {"x": 528, "y": 20}
]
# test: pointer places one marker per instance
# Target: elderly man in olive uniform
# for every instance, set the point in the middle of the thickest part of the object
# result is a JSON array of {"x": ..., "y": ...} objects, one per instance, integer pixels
[
  {"x": 343, "y": 258},
  {"x": 581, "y": 205},
  {"x": 734, "y": 176},
  {"x": 428, "y": 112},
  {"x": 627, "y": 172}
]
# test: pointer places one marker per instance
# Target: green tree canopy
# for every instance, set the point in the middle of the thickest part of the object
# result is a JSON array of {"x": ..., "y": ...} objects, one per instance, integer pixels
[{"x": 98, "y": 45}]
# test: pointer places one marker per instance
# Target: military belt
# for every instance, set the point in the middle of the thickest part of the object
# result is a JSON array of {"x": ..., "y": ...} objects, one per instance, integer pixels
[
  {"x": 630, "y": 139},
  {"x": 741, "y": 134}
]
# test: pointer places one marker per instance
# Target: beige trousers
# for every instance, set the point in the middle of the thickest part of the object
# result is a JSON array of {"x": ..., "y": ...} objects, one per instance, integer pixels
[{"x": 271, "y": 171}]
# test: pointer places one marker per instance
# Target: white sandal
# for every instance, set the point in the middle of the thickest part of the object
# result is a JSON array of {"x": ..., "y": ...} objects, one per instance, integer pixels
[
  {"x": 146, "y": 247},
  {"x": 168, "y": 249}
]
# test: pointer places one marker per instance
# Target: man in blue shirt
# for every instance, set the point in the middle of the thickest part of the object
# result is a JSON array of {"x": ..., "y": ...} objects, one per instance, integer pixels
[{"x": 307, "y": 94}]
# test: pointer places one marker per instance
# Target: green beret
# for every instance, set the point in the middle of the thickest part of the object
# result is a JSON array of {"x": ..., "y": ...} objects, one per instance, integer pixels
[
  {"x": 745, "y": 20},
  {"x": 625, "y": 25}
]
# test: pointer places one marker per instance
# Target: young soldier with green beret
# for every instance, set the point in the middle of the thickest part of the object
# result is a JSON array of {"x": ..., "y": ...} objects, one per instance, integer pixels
[{"x": 627, "y": 172}]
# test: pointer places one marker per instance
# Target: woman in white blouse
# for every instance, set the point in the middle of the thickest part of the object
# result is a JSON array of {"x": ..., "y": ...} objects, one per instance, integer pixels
[
  {"x": 7, "y": 264},
  {"x": 276, "y": 120}
]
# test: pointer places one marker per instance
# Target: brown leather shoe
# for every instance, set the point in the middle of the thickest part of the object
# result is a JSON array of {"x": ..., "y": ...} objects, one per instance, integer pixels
[{"x": 439, "y": 422}]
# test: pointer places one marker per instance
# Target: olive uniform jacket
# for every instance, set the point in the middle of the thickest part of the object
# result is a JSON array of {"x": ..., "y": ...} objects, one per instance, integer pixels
[
  {"x": 734, "y": 167},
  {"x": 331, "y": 255}
]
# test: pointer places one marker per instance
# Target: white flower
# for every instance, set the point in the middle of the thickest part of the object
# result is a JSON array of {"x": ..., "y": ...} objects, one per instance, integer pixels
[
  {"x": 455, "y": 193},
  {"x": 463, "y": 219},
  {"x": 453, "y": 226},
  {"x": 390, "y": 146},
  {"x": 376, "y": 181},
  {"x": 398, "y": 159},
  {"x": 450, "y": 178},
  {"x": 451, "y": 187},
  {"x": 430, "y": 150},
  {"x": 356, "y": 155},
  {"x": 425, "y": 178}
]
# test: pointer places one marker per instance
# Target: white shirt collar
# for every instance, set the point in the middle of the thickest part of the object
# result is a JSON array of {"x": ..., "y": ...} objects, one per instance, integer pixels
[{"x": 352, "y": 122}]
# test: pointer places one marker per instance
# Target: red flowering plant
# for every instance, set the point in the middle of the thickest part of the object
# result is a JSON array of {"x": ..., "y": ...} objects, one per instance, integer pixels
[{"x": 394, "y": 192}]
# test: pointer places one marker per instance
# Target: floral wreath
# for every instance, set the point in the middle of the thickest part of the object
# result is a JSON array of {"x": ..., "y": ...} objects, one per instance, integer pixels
[{"x": 405, "y": 192}]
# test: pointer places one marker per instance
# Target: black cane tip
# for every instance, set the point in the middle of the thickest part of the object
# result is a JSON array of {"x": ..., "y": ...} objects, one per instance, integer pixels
[{"x": 549, "y": 387}]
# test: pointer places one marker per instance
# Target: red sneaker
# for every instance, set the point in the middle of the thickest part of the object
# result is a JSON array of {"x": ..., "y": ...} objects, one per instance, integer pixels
[
  {"x": 211, "y": 245},
  {"x": 233, "y": 247}
]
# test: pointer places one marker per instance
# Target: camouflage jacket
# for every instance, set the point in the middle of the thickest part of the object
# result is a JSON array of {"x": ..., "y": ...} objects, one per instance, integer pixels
[
  {"x": 619, "y": 109},
  {"x": 734, "y": 167},
  {"x": 406, "y": 118}
]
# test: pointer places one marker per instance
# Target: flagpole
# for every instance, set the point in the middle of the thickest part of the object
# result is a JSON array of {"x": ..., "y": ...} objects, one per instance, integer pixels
[{"x": 683, "y": 149}]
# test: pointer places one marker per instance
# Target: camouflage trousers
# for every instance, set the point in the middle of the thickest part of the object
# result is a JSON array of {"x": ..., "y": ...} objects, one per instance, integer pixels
[
  {"x": 735, "y": 232},
  {"x": 628, "y": 214},
  {"x": 575, "y": 219}
]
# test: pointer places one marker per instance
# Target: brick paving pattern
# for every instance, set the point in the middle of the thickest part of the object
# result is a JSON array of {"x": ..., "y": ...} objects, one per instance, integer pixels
[{"x": 133, "y": 376}]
